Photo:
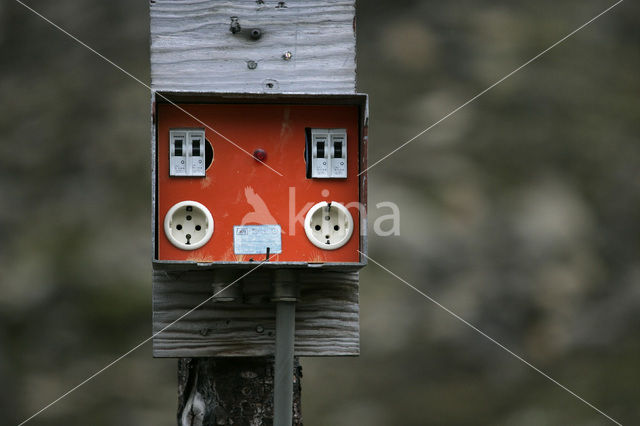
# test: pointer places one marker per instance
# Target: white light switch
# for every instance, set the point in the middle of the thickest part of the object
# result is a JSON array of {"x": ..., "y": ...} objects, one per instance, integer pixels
[
  {"x": 328, "y": 153},
  {"x": 338, "y": 153},
  {"x": 319, "y": 153},
  {"x": 196, "y": 159},
  {"x": 186, "y": 152}
]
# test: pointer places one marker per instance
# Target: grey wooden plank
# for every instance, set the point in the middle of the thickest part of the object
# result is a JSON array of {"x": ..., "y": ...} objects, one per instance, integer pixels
[
  {"x": 327, "y": 316},
  {"x": 193, "y": 49}
]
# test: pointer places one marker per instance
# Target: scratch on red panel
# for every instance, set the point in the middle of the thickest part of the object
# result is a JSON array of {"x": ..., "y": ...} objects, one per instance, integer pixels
[
  {"x": 318, "y": 258},
  {"x": 285, "y": 130},
  {"x": 228, "y": 255},
  {"x": 206, "y": 182},
  {"x": 198, "y": 258}
]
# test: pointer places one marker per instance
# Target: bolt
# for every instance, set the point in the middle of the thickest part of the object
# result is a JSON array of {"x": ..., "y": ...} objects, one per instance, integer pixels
[
  {"x": 235, "y": 25},
  {"x": 287, "y": 55},
  {"x": 259, "y": 329},
  {"x": 256, "y": 34},
  {"x": 252, "y": 65}
]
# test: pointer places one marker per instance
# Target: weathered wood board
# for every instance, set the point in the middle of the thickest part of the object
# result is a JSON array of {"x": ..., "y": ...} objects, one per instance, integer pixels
[
  {"x": 194, "y": 49},
  {"x": 326, "y": 316}
]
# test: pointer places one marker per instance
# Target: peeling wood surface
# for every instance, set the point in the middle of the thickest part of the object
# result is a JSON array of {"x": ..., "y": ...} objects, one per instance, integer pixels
[
  {"x": 224, "y": 391},
  {"x": 326, "y": 316},
  {"x": 194, "y": 49}
]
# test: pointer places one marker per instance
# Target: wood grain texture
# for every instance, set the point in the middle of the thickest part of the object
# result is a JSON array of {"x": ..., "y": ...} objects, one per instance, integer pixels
[
  {"x": 193, "y": 49},
  {"x": 327, "y": 315}
]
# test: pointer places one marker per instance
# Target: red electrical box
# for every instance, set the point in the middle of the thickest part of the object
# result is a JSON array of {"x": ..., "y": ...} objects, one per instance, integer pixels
[{"x": 241, "y": 179}]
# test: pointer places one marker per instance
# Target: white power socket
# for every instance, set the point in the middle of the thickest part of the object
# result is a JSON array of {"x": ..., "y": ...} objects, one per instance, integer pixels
[
  {"x": 188, "y": 225},
  {"x": 328, "y": 225}
]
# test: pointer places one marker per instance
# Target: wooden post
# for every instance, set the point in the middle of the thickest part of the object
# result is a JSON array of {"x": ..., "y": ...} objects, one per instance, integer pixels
[
  {"x": 295, "y": 47},
  {"x": 224, "y": 391}
]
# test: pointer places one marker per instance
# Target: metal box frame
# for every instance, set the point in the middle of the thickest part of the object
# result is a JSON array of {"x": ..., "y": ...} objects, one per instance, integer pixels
[{"x": 359, "y": 100}]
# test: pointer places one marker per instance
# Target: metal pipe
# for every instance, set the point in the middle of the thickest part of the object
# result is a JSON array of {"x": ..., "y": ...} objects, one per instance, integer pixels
[{"x": 283, "y": 375}]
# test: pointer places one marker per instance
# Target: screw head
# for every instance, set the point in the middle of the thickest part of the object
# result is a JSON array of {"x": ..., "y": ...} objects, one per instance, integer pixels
[
  {"x": 259, "y": 329},
  {"x": 256, "y": 33},
  {"x": 287, "y": 56},
  {"x": 252, "y": 65}
]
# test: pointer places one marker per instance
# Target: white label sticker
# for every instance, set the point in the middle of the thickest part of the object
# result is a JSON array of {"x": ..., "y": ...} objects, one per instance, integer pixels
[{"x": 254, "y": 239}]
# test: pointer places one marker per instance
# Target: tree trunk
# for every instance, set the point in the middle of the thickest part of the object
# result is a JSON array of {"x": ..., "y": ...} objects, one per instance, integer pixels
[{"x": 225, "y": 391}]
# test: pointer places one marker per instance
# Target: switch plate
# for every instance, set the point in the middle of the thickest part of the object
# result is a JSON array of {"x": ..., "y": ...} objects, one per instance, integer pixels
[
  {"x": 320, "y": 153},
  {"x": 328, "y": 149},
  {"x": 187, "y": 152},
  {"x": 338, "y": 153},
  {"x": 195, "y": 161}
]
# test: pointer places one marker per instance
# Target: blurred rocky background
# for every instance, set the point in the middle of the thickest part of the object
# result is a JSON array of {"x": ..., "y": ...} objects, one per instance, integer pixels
[{"x": 521, "y": 213}]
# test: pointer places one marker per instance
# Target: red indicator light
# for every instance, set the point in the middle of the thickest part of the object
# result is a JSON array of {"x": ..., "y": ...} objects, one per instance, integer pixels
[{"x": 260, "y": 155}]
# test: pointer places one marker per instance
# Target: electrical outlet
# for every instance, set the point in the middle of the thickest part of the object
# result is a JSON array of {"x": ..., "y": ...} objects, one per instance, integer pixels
[
  {"x": 328, "y": 225},
  {"x": 188, "y": 225}
]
